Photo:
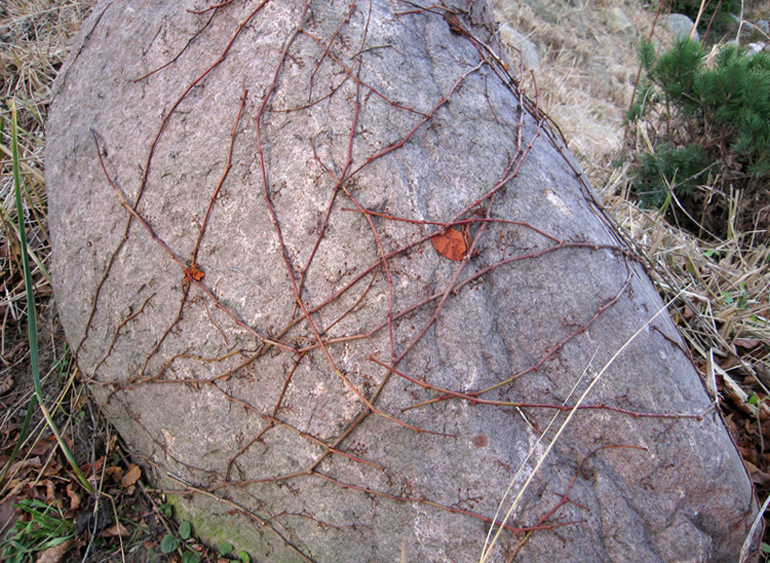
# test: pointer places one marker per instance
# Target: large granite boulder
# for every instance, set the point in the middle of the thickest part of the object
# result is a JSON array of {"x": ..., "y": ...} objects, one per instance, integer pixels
[{"x": 331, "y": 275}]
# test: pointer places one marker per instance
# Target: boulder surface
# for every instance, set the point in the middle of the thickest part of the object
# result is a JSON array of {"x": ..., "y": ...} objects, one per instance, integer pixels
[{"x": 333, "y": 276}]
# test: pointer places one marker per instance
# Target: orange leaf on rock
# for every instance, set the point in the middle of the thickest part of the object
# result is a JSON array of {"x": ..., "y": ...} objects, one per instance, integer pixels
[
  {"x": 451, "y": 244},
  {"x": 194, "y": 272},
  {"x": 131, "y": 476}
]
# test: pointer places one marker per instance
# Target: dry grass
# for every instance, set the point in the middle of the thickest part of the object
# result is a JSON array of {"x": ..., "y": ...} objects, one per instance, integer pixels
[
  {"x": 585, "y": 82},
  {"x": 34, "y": 36},
  {"x": 725, "y": 310},
  {"x": 586, "y": 77}
]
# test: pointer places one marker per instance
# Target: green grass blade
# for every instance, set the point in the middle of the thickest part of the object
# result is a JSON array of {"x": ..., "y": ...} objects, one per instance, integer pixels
[{"x": 31, "y": 313}]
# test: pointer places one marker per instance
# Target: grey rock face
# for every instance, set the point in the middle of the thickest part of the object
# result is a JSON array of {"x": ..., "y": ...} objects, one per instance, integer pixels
[{"x": 242, "y": 201}]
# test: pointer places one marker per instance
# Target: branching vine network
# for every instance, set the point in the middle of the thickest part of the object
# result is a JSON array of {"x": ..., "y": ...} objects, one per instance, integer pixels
[{"x": 302, "y": 334}]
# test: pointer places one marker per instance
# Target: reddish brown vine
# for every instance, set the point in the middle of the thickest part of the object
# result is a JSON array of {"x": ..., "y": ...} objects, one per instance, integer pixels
[{"x": 306, "y": 332}]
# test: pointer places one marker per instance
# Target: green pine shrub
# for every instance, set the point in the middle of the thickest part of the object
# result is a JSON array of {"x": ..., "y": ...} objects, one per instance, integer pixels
[
  {"x": 683, "y": 166},
  {"x": 708, "y": 123}
]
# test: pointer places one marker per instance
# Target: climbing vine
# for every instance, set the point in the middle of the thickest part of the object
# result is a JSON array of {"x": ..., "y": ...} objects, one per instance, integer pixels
[{"x": 316, "y": 336}]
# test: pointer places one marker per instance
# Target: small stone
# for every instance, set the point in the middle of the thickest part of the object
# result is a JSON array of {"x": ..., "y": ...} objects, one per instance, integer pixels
[
  {"x": 754, "y": 48},
  {"x": 600, "y": 78},
  {"x": 543, "y": 11},
  {"x": 519, "y": 42},
  {"x": 619, "y": 24},
  {"x": 680, "y": 25}
]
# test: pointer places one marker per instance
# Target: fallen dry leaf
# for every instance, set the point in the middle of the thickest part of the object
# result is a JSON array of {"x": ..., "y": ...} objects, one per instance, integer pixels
[
  {"x": 73, "y": 496},
  {"x": 116, "y": 530},
  {"x": 451, "y": 244},
  {"x": 758, "y": 477},
  {"x": 6, "y": 384},
  {"x": 17, "y": 467},
  {"x": 90, "y": 468},
  {"x": 44, "y": 446},
  {"x": 132, "y": 475},
  {"x": 79, "y": 403},
  {"x": 114, "y": 472},
  {"x": 7, "y": 513},
  {"x": 14, "y": 487},
  {"x": 50, "y": 490},
  {"x": 52, "y": 469},
  {"x": 730, "y": 362},
  {"x": 763, "y": 373},
  {"x": 54, "y": 554},
  {"x": 748, "y": 453}
]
